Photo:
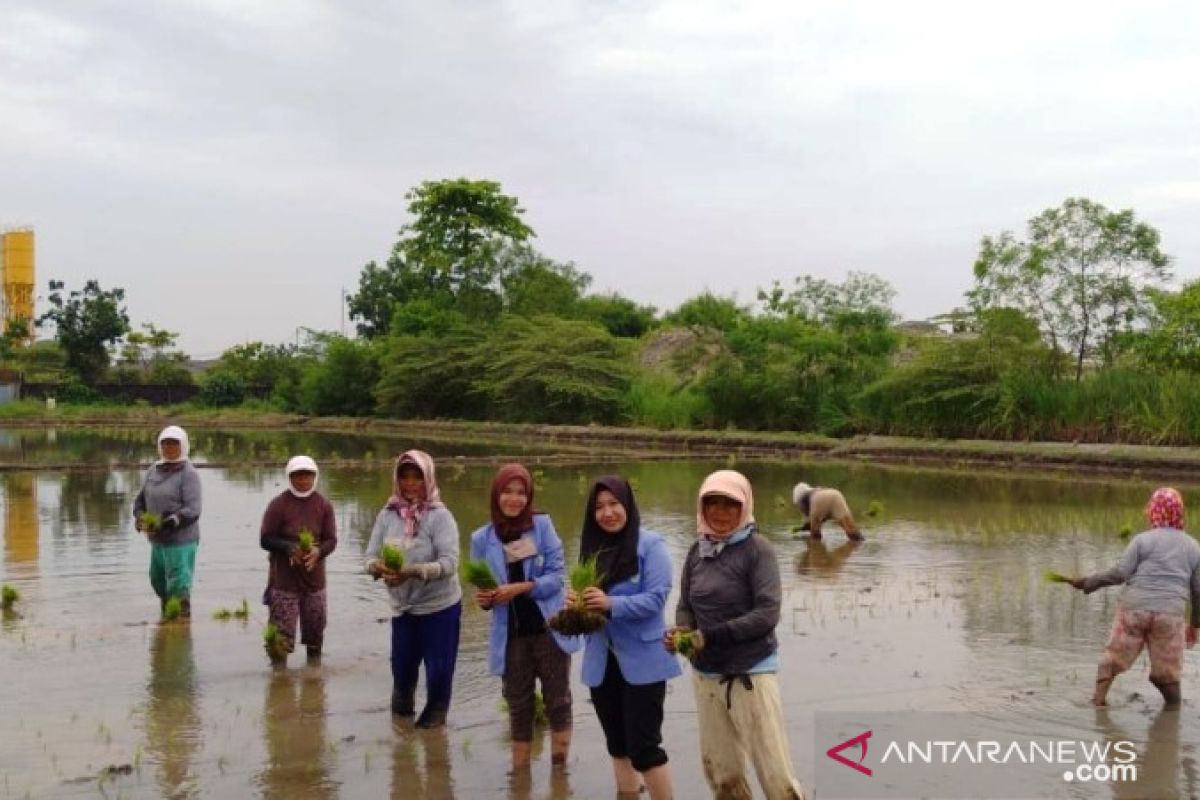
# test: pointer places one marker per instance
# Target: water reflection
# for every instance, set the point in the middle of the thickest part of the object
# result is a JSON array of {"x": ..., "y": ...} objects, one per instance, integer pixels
[
  {"x": 172, "y": 720},
  {"x": 421, "y": 763},
  {"x": 21, "y": 527},
  {"x": 818, "y": 561},
  {"x": 299, "y": 759},
  {"x": 1158, "y": 764}
]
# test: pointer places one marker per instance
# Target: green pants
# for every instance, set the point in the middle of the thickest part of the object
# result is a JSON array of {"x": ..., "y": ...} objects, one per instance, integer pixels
[{"x": 171, "y": 569}]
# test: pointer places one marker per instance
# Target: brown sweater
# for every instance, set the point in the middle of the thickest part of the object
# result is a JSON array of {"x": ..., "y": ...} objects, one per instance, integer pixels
[{"x": 285, "y": 517}]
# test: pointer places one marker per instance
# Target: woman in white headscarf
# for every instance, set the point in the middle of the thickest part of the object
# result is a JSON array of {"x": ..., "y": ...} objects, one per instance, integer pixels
[
  {"x": 299, "y": 532},
  {"x": 167, "y": 510}
]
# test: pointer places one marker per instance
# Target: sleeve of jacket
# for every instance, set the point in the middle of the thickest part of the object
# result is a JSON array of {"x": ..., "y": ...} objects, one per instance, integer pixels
[
  {"x": 1118, "y": 574},
  {"x": 189, "y": 510},
  {"x": 656, "y": 585},
  {"x": 554, "y": 565},
  {"x": 684, "y": 616},
  {"x": 767, "y": 589},
  {"x": 329, "y": 540},
  {"x": 445, "y": 545},
  {"x": 270, "y": 537},
  {"x": 139, "y": 502},
  {"x": 378, "y": 532}
]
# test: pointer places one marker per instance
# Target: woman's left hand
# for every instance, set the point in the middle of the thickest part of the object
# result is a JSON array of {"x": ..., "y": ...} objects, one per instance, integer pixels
[
  {"x": 504, "y": 594},
  {"x": 596, "y": 600},
  {"x": 310, "y": 559}
]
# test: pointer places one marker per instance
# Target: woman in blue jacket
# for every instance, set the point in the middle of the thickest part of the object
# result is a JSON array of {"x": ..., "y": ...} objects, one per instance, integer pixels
[
  {"x": 526, "y": 558},
  {"x": 624, "y": 663}
]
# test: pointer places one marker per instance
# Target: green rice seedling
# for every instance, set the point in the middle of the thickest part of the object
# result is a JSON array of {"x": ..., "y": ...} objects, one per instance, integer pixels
[
  {"x": 274, "y": 644},
  {"x": 172, "y": 609},
  {"x": 539, "y": 709},
  {"x": 685, "y": 643},
  {"x": 874, "y": 509},
  {"x": 306, "y": 539},
  {"x": 9, "y": 597},
  {"x": 576, "y": 619},
  {"x": 243, "y": 612},
  {"x": 1050, "y": 576},
  {"x": 392, "y": 557},
  {"x": 151, "y": 523},
  {"x": 477, "y": 573},
  {"x": 222, "y": 614},
  {"x": 1126, "y": 531}
]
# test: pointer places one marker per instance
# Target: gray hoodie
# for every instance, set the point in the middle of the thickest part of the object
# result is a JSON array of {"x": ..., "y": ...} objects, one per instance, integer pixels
[
  {"x": 435, "y": 543},
  {"x": 173, "y": 492}
]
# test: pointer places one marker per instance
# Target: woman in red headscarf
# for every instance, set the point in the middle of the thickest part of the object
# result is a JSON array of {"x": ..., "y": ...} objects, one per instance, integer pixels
[
  {"x": 525, "y": 555},
  {"x": 1161, "y": 573}
]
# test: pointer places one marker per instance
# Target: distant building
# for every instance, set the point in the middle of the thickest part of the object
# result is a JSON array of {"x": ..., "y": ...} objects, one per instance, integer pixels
[{"x": 17, "y": 277}]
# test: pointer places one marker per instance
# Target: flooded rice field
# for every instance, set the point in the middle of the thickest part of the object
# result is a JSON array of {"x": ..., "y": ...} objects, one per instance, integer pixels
[{"x": 942, "y": 609}]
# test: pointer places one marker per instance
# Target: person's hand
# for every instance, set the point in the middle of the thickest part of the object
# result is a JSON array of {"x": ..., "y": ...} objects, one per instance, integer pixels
[
  {"x": 506, "y": 593},
  {"x": 137, "y": 523},
  {"x": 392, "y": 578},
  {"x": 596, "y": 600},
  {"x": 1076, "y": 583},
  {"x": 1191, "y": 636},
  {"x": 669, "y": 638},
  {"x": 486, "y": 599},
  {"x": 572, "y": 598},
  {"x": 294, "y": 557},
  {"x": 169, "y": 522},
  {"x": 310, "y": 559}
]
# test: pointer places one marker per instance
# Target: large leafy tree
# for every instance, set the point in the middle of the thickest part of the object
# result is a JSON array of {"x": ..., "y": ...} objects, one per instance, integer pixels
[
  {"x": 824, "y": 300},
  {"x": 1082, "y": 274},
  {"x": 450, "y": 253},
  {"x": 86, "y": 323},
  {"x": 1172, "y": 337}
]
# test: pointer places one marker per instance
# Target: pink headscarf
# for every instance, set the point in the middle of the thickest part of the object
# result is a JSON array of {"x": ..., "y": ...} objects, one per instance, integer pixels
[
  {"x": 412, "y": 511},
  {"x": 731, "y": 484},
  {"x": 1165, "y": 509}
]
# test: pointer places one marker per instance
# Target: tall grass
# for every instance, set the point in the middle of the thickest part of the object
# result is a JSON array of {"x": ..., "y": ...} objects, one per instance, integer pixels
[{"x": 662, "y": 402}]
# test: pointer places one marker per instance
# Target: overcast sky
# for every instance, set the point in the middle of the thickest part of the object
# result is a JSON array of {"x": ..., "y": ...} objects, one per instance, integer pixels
[{"x": 233, "y": 164}]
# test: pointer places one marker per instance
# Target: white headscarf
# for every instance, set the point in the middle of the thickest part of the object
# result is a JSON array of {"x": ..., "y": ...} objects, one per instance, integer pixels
[
  {"x": 180, "y": 435},
  {"x": 798, "y": 493},
  {"x": 302, "y": 464}
]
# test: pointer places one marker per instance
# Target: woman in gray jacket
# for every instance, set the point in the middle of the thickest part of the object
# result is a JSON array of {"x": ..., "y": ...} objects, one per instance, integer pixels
[
  {"x": 171, "y": 492},
  {"x": 425, "y": 593}
]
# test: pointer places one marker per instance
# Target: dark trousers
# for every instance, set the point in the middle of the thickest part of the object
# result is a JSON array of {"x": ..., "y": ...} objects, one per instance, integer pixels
[
  {"x": 432, "y": 639},
  {"x": 529, "y": 658},
  {"x": 631, "y": 716}
]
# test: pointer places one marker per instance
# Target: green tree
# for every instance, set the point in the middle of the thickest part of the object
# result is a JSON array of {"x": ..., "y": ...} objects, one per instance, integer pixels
[
  {"x": 1172, "y": 337},
  {"x": 150, "y": 355},
  {"x": 707, "y": 310},
  {"x": 86, "y": 322},
  {"x": 553, "y": 370},
  {"x": 430, "y": 372},
  {"x": 823, "y": 300},
  {"x": 619, "y": 315},
  {"x": 1082, "y": 273},
  {"x": 534, "y": 285},
  {"x": 261, "y": 365},
  {"x": 341, "y": 382},
  {"x": 450, "y": 253}
]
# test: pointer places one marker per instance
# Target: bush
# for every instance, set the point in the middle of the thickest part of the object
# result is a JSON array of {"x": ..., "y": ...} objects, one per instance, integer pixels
[{"x": 222, "y": 387}]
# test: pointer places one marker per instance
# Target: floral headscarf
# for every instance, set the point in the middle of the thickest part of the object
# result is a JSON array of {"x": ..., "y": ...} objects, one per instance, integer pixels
[
  {"x": 1165, "y": 509},
  {"x": 412, "y": 511}
]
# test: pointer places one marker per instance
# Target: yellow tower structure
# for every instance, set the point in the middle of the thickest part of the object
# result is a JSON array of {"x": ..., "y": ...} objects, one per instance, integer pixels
[{"x": 18, "y": 278}]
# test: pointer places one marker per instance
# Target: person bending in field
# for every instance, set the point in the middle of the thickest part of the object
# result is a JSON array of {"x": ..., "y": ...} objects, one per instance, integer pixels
[{"x": 820, "y": 505}]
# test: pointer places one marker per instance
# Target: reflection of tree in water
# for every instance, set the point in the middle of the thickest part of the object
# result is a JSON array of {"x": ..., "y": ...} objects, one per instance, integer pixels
[
  {"x": 94, "y": 503},
  {"x": 173, "y": 729},
  {"x": 421, "y": 764},
  {"x": 818, "y": 561},
  {"x": 298, "y": 758}
]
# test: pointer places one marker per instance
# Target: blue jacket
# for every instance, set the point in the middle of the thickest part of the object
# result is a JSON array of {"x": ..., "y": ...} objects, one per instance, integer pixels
[
  {"x": 546, "y": 570},
  {"x": 637, "y": 622}
]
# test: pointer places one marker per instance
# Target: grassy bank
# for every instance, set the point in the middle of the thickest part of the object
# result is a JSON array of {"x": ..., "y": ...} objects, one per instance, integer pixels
[{"x": 648, "y": 443}]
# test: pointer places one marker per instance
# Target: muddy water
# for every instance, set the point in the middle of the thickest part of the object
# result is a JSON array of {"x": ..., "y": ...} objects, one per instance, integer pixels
[{"x": 943, "y": 608}]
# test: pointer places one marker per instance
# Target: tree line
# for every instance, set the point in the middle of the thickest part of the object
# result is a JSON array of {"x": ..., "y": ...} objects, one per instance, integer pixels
[{"x": 1071, "y": 331}]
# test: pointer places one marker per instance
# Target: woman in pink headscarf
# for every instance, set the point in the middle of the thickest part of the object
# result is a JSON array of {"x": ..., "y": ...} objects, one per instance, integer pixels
[
  {"x": 425, "y": 593},
  {"x": 1161, "y": 573}
]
